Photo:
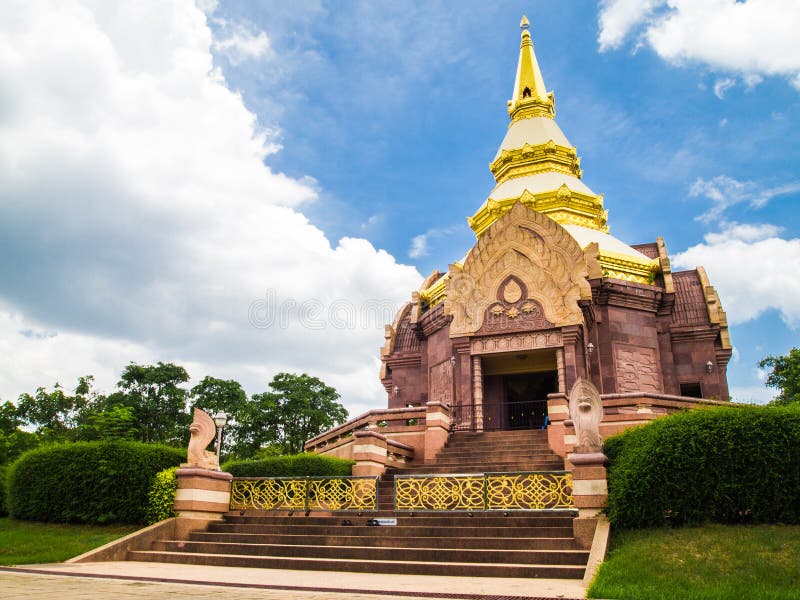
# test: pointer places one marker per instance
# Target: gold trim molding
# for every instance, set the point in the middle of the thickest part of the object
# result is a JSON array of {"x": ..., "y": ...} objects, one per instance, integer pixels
[
  {"x": 563, "y": 205},
  {"x": 516, "y": 342},
  {"x": 536, "y": 158}
]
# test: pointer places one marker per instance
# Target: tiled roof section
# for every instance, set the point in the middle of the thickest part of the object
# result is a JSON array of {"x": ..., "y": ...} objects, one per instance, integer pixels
[
  {"x": 407, "y": 340},
  {"x": 649, "y": 250},
  {"x": 690, "y": 303}
]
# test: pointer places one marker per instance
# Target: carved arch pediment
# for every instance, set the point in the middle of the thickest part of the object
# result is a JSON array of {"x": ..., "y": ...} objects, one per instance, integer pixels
[{"x": 533, "y": 249}]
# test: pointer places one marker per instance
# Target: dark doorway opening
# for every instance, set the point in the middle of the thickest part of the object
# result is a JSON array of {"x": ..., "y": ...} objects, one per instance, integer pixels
[
  {"x": 517, "y": 401},
  {"x": 526, "y": 399}
]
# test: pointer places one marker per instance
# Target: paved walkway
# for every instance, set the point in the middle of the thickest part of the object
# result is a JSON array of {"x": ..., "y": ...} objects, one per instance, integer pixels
[{"x": 151, "y": 580}]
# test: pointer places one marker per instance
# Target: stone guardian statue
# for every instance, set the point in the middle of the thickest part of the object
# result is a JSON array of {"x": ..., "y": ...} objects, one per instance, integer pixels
[
  {"x": 202, "y": 431},
  {"x": 586, "y": 411}
]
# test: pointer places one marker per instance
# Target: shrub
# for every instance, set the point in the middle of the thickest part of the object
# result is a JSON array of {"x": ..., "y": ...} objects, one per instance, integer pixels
[
  {"x": 300, "y": 465},
  {"x": 3, "y": 509},
  {"x": 161, "y": 498},
  {"x": 726, "y": 465},
  {"x": 87, "y": 482}
]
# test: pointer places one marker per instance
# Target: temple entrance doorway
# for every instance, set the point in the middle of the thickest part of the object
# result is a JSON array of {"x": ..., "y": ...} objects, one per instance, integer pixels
[{"x": 515, "y": 389}]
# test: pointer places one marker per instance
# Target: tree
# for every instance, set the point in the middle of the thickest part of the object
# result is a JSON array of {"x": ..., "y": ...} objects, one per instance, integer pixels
[
  {"x": 9, "y": 418},
  {"x": 297, "y": 408},
  {"x": 116, "y": 422},
  {"x": 54, "y": 413},
  {"x": 13, "y": 440},
  {"x": 784, "y": 375},
  {"x": 226, "y": 395},
  {"x": 158, "y": 401}
]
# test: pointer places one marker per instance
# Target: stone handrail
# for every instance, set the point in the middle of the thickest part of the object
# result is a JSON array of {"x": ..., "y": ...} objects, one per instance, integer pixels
[
  {"x": 627, "y": 398},
  {"x": 370, "y": 420}
]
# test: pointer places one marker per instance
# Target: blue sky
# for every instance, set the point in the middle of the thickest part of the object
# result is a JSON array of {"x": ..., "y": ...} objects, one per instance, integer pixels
[{"x": 334, "y": 150}]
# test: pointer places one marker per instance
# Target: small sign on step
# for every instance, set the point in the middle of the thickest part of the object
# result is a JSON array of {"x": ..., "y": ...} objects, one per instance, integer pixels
[{"x": 381, "y": 522}]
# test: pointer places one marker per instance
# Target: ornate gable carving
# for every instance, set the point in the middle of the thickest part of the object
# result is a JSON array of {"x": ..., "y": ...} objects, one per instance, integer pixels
[{"x": 541, "y": 258}]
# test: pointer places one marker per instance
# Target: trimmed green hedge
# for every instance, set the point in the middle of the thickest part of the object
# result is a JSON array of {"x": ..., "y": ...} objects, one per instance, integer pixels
[
  {"x": 161, "y": 498},
  {"x": 726, "y": 465},
  {"x": 87, "y": 482},
  {"x": 301, "y": 465},
  {"x": 3, "y": 473}
]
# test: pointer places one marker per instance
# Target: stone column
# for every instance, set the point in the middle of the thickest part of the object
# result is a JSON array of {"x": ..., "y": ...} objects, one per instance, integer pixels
[
  {"x": 370, "y": 453},
  {"x": 558, "y": 412},
  {"x": 437, "y": 428},
  {"x": 562, "y": 373},
  {"x": 202, "y": 493},
  {"x": 477, "y": 392},
  {"x": 589, "y": 493}
]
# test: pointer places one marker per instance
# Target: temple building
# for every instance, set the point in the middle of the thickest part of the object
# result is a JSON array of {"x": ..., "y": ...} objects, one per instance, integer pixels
[
  {"x": 504, "y": 374},
  {"x": 547, "y": 295}
]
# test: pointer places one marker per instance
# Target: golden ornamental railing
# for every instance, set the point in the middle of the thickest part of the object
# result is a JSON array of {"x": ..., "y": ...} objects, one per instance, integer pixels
[
  {"x": 541, "y": 490},
  {"x": 304, "y": 493}
]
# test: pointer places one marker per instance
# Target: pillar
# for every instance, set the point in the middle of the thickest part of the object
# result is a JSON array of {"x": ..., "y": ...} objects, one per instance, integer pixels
[
  {"x": 477, "y": 392},
  {"x": 370, "y": 453},
  {"x": 589, "y": 493},
  {"x": 437, "y": 428},
  {"x": 202, "y": 493}
]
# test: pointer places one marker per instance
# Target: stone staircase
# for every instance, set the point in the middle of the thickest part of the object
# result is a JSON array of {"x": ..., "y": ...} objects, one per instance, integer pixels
[{"x": 453, "y": 543}]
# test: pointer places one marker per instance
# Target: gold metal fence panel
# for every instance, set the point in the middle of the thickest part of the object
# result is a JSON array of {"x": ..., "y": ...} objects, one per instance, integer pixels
[
  {"x": 446, "y": 492},
  {"x": 268, "y": 494},
  {"x": 343, "y": 494},
  {"x": 527, "y": 491}
]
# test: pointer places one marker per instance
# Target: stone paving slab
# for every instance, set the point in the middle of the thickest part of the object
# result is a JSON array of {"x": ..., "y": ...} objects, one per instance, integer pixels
[{"x": 150, "y": 580}]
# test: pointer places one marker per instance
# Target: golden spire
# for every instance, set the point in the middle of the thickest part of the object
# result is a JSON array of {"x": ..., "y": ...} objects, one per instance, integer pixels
[{"x": 531, "y": 99}]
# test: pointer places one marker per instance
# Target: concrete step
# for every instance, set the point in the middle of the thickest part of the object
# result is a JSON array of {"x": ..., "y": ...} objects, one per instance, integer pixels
[
  {"x": 364, "y": 566},
  {"x": 489, "y": 446},
  {"x": 466, "y": 451},
  {"x": 439, "y": 469},
  {"x": 491, "y": 519},
  {"x": 503, "y": 435},
  {"x": 401, "y": 553},
  {"x": 490, "y": 543},
  {"x": 399, "y": 531}
]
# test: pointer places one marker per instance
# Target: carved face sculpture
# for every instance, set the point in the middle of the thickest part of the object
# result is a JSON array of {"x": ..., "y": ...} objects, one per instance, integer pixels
[
  {"x": 586, "y": 410},
  {"x": 202, "y": 431}
]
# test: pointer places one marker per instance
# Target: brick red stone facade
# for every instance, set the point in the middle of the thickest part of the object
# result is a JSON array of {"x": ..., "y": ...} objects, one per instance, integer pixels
[{"x": 644, "y": 339}]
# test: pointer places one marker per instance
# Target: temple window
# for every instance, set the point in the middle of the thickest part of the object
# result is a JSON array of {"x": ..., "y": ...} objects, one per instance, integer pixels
[
  {"x": 526, "y": 93},
  {"x": 692, "y": 389}
]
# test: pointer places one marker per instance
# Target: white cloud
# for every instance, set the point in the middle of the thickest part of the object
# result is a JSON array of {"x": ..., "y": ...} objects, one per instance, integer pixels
[
  {"x": 744, "y": 232},
  {"x": 419, "y": 246},
  {"x": 243, "y": 44},
  {"x": 722, "y": 85},
  {"x": 618, "y": 17},
  {"x": 752, "y": 269},
  {"x": 751, "y": 38},
  {"x": 140, "y": 222},
  {"x": 752, "y": 394},
  {"x": 724, "y": 192}
]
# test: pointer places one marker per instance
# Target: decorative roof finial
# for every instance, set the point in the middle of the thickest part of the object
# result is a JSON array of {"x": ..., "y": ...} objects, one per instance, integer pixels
[{"x": 531, "y": 99}]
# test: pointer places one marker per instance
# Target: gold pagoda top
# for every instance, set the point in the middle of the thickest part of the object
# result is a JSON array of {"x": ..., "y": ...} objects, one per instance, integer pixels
[
  {"x": 531, "y": 99},
  {"x": 538, "y": 166}
]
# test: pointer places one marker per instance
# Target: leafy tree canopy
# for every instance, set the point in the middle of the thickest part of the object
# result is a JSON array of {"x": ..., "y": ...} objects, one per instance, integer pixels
[
  {"x": 54, "y": 413},
  {"x": 226, "y": 395},
  {"x": 785, "y": 375},
  {"x": 158, "y": 401},
  {"x": 297, "y": 408}
]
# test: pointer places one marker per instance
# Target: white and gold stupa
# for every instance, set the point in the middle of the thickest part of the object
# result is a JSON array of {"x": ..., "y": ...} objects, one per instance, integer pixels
[{"x": 538, "y": 166}]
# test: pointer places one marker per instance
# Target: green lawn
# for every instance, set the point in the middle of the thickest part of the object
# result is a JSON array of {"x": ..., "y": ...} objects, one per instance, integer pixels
[
  {"x": 693, "y": 563},
  {"x": 25, "y": 542}
]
